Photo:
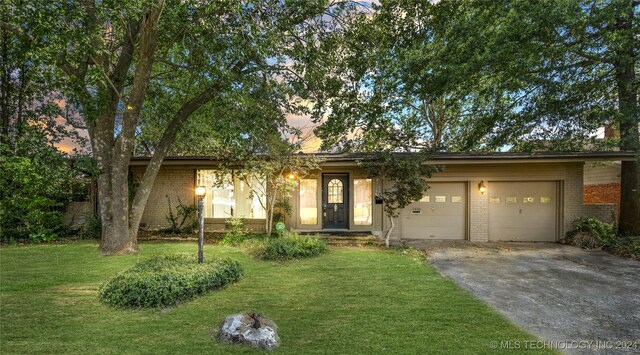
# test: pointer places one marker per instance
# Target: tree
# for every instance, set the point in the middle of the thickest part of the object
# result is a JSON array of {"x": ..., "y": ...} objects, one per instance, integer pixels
[
  {"x": 162, "y": 61},
  {"x": 405, "y": 176},
  {"x": 521, "y": 75},
  {"x": 36, "y": 179},
  {"x": 551, "y": 71},
  {"x": 280, "y": 168}
]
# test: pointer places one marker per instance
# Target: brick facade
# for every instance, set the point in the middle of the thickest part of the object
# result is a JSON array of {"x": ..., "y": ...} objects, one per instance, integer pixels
[
  {"x": 176, "y": 183},
  {"x": 179, "y": 182},
  {"x": 602, "y": 193}
]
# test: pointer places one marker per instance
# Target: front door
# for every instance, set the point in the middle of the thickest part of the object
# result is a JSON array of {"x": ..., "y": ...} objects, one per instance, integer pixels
[{"x": 335, "y": 201}]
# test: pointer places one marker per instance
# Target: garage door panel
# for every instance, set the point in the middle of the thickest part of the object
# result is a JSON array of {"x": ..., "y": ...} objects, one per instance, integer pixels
[
  {"x": 526, "y": 218},
  {"x": 437, "y": 220}
]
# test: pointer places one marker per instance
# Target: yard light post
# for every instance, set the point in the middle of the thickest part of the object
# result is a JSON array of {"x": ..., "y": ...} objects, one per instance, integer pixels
[{"x": 201, "y": 191}]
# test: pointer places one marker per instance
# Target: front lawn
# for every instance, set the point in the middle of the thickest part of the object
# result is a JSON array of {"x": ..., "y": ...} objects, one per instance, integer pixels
[{"x": 347, "y": 301}]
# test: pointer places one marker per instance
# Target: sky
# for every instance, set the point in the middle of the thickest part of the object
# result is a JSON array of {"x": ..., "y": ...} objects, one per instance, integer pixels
[{"x": 310, "y": 144}]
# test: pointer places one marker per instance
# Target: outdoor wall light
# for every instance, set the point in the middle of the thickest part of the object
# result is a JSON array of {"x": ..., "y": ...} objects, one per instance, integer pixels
[
  {"x": 482, "y": 188},
  {"x": 291, "y": 176}
]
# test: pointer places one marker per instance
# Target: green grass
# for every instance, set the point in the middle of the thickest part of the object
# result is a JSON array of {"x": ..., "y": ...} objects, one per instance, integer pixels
[{"x": 355, "y": 301}]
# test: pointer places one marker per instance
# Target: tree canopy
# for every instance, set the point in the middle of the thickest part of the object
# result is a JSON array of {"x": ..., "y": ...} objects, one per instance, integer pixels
[
  {"x": 486, "y": 75},
  {"x": 144, "y": 74}
]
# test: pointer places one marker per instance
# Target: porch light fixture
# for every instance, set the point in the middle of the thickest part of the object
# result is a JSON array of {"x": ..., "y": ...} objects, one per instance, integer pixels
[
  {"x": 291, "y": 176},
  {"x": 201, "y": 192},
  {"x": 482, "y": 188}
]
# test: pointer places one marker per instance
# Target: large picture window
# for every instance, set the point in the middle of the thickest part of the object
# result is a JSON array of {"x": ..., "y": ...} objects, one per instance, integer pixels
[
  {"x": 362, "y": 197},
  {"x": 229, "y": 196},
  {"x": 308, "y": 201}
]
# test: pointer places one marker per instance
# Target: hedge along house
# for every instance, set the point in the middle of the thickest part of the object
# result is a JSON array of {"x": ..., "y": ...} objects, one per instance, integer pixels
[{"x": 477, "y": 197}]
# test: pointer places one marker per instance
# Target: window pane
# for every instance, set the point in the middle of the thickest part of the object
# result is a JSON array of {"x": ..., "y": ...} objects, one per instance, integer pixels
[
  {"x": 494, "y": 199},
  {"x": 456, "y": 198},
  {"x": 228, "y": 196},
  {"x": 511, "y": 199},
  {"x": 249, "y": 198},
  {"x": 309, "y": 201},
  {"x": 425, "y": 198},
  {"x": 362, "y": 197},
  {"x": 223, "y": 202},
  {"x": 544, "y": 199},
  {"x": 441, "y": 198},
  {"x": 334, "y": 195},
  {"x": 528, "y": 199}
]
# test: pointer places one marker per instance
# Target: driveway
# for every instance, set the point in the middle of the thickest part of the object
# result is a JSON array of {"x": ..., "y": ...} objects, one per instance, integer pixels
[{"x": 557, "y": 292}]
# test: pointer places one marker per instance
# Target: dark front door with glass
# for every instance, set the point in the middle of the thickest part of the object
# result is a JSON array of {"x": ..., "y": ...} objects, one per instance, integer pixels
[{"x": 335, "y": 201}]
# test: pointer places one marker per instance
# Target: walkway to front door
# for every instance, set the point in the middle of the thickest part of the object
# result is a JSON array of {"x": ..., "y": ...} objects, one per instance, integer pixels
[{"x": 335, "y": 201}]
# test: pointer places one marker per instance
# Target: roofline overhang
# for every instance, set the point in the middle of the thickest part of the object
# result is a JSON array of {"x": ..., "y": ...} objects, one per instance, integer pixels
[{"x": 338, "y": 159}]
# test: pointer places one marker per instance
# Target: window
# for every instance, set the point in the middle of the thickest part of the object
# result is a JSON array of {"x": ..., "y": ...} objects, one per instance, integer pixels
[
  {"x": 308, "y": 201},
  {"x": 511, "y": 200},
  {"x": 229, "y": 196},
  {"x": 441, "y": 198},
  {"x": 494, "y": 199},
  {"x": 334, "y": 193},
  {"x": 362, "y": 197},
  {"x": 456, "y": 198},
  {"x": 425, "y": 198},
  {"x": 544, "y": 199},
  {"x": 528, "y": 199}
]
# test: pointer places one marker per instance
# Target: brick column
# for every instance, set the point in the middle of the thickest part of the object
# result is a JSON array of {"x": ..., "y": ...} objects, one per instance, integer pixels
[{"x": 478, "y": 212}]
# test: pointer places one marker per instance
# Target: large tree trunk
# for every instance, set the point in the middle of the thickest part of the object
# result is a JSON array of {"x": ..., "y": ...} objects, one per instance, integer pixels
[
  {"x": 146, "y": 183},
  {"x": 629, "y": 121},
  {"x": 114, "y": 155}
]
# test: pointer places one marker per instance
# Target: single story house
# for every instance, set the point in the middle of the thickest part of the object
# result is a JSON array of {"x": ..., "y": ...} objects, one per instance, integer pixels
[{"x": 477, "y": 197}]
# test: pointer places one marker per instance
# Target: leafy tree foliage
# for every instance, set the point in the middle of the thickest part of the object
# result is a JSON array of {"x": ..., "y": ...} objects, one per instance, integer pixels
[
  {"x": 281, "y": 167},
  {"x": 36, "y": 179},
  {"x": 403, "y": 178},
  {"x": 520, "y": 74},
  {"x": 140, "y": 70},
  {"x": 35, "y": 183}
]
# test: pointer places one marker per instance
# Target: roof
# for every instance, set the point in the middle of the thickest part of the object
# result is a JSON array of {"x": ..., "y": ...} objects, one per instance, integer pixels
[{"x": 437, "y": 158}]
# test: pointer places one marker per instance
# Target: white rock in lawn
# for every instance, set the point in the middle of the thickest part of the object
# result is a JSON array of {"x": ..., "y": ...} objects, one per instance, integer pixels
[{"x": 251, "y": 329}]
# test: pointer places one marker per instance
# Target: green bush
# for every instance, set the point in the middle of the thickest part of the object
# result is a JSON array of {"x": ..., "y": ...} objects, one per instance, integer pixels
[
  {"x": 167, "y": 280},
  {"x": 605, "y": 234},
  {"x": 289, "y": 246},
  {"x": 92, "y": 228},
  {"x": 626, "y": 246},
  {"x": 235, "y": 231}
]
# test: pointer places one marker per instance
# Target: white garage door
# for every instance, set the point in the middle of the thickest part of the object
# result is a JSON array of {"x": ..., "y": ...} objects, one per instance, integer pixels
[
  {"x": 523, "y": 211},
  {"x": 440, "y": 214}
]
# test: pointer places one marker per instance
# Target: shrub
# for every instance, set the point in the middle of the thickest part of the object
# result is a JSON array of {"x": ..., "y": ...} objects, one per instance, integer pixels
[
  {"x": 183, "y": 220},
  {"x": 289, "y": 246},
  {"x": 167, "y": 280},
  {"x": 92, "y": 228},
  {"x": 626, "y": 246},
  {"x": 235, "y": 231},
  {"x": 604, "y": 234}
]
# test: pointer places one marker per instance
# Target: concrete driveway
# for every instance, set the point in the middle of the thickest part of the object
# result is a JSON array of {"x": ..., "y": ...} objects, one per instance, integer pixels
[{"x": 557, "y": 292}]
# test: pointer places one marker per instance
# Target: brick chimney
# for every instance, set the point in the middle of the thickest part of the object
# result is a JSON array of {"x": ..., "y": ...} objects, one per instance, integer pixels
[{"x": 610, "y": 132}]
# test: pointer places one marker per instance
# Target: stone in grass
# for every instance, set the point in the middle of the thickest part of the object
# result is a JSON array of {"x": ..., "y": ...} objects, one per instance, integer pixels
[{"x": 249, "y": 328}]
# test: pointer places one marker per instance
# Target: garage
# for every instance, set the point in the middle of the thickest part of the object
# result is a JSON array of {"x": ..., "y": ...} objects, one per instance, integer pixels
[
  {"x": 523, "y": 211},
  {"x": 440, "y": 214}
]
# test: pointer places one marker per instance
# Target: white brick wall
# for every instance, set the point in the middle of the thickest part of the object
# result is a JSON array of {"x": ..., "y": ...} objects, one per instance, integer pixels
[
  {"x": 478, "y": 212},
  {"x": 573, "y": 200}
]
